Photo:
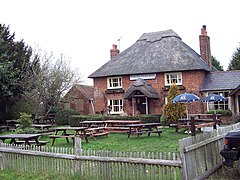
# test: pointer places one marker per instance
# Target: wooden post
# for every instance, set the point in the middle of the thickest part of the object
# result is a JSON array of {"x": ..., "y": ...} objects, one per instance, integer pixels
[
  {"x": 133, "y": 113},
  {"x": 193, "y": 128},
  {"x": 215, "y": 121},
  {"x": 78, "y": 146}
]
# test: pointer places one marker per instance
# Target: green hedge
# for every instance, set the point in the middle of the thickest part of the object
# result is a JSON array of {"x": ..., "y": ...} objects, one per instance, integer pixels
[
  {"x": 75, "y": 119},
  {"x": 62, "y": 116},
  {"x": 220, "y": 111}
]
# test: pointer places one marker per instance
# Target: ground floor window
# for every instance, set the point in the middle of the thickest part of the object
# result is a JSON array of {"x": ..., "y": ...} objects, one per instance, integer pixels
[
  {"x": 224, "y": 105},
  {"x": 116, "y": 106}
]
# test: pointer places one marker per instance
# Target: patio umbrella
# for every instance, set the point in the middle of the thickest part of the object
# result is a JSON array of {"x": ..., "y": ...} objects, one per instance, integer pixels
[
  {"x": 185, "y": 98},
  {"x": 213, "y": 98}
]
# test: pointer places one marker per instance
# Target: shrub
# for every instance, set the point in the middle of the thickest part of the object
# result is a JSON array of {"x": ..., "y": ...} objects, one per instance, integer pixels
[
  {"x": 173, "y": 111},
  {"x": 62, "y": 116},
  {"x": 54, "y": 110},
  {"x": 21, "y": 106},
  {"x": 149, "y": 118},
  {"x": 220, "y": 111},
  {"x": 75, "y": 119},
  {"x": 112, "y": 117},
  {"x": 25, "y": 124}
]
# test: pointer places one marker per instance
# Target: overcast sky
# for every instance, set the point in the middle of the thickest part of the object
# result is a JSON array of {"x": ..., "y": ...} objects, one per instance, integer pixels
[{"x": 84, "y": 30}]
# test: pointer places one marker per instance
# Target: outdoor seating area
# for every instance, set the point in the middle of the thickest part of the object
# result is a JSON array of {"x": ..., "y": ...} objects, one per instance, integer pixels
[{"x": 200, "y": 121}]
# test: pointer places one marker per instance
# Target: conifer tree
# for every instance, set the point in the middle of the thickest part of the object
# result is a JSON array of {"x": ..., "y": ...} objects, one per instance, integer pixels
[{"x": 173, "y": 111}]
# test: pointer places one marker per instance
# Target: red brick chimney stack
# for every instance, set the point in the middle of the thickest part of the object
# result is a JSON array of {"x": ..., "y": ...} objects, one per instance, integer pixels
[
  {"x": 205, "y": 50},
  {"x": 114, "y": 51}
]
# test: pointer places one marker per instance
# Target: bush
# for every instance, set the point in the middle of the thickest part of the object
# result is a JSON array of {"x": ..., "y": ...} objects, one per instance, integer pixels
[
  {"x": 25, "y": 124},
  {"x": 149, "y": 118},
  {"x": 21, "y": 106},
  {"x": 116, "y": 117},
  {"x": 54, "y": 110},
  {"x": 220, "y": 111},
  {"x": 173, "y": 111},
  {"x": 75, "y": 119},
  {"x": 62, "y": 116}
]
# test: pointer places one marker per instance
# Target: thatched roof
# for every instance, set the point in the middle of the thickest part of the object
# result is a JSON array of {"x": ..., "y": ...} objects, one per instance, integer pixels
[
  {"x": 154, "y": 52},
  {"x": 142, "y": 86}
]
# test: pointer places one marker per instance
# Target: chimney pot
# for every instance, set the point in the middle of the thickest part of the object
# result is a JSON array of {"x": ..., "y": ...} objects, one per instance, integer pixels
[
  {"x": 114, "y": 51},
  {"x": 205, "y": 50}
]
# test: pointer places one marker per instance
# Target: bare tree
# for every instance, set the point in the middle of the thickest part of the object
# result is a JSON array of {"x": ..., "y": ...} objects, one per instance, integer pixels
[{"x": 50, "y": 78}]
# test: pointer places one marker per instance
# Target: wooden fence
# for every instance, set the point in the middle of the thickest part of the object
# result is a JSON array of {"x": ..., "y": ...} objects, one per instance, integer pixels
[
  {"x": 199, "y": 158},
  {"x": 91, "y": 164},
  {"x": 200, "y": 154}
]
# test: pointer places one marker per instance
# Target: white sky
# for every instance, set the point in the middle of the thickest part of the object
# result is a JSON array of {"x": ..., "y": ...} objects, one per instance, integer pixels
[{"x": 84, "y": 30}]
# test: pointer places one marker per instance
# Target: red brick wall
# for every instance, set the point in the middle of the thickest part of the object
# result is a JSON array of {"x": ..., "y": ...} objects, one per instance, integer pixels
[
  {"x": 78, "y": 101},
  {"x": 191, "y": 81}
]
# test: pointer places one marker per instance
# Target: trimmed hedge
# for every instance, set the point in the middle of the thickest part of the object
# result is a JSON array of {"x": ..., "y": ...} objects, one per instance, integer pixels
[
  {"x": 220, "y": 111},
  {"x": 62, "y": 116},
  {"x": 75, "y": 119}
]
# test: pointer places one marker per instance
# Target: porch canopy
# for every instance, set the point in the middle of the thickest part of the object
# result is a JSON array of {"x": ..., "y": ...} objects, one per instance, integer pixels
[{"x": 142, "y": 86}]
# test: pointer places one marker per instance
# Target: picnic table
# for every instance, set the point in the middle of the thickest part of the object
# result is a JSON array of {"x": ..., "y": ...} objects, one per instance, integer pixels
[
  {"x": 92, "y": 123},
  {"x": 12, "y": 123},
  {"x": 119, "y": 125},
  {"x": 42, "y": 127},
  {"x": 67, "y": 132},
  {"x": 95, "y": 132},
  {"x": 26, "y": 139},
  {"x": 200, "y": 121},
  {"x": 139, "y": 129}
]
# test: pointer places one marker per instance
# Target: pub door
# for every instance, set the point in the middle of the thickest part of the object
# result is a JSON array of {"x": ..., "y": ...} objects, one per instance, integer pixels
[{"x": 141, "y": 105}]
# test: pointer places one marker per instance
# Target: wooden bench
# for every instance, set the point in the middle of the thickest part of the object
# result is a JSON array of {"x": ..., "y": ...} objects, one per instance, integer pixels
[
  {"x": 118, "y": 129},
  {"x": 60, "y": 136},
  {"x": 3, "y": 128},
  {"x": 40, "y": 143},
  {"x": 95, "y": 132}
]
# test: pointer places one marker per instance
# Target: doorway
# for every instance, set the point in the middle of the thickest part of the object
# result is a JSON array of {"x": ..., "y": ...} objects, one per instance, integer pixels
[{"x": 141, "y": 105}]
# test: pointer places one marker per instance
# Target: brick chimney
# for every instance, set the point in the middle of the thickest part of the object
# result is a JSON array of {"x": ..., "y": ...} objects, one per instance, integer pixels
[
  {"x": 114, "y": 51},
  {"x": 205, "y": 50}
]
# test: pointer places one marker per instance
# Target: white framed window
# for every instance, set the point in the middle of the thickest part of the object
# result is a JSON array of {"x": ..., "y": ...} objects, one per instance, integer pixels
[
  {"x": 116, "y": 106},
  {"x": 171, "y": 78},
  {"x": 224, "y": 105},
  {"x": 114, "y": 82}
]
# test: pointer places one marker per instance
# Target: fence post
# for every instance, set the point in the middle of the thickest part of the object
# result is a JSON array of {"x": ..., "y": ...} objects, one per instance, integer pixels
[
  {"x": 215, "y": 121},
  {"x": 78, "y": 146},
  {"x": 1, "y": 162},
  {"x": 193, "y": 128}
]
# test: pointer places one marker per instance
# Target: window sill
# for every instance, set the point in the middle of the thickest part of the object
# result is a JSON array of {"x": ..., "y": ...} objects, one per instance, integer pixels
[{"x": 113, "y": 91}]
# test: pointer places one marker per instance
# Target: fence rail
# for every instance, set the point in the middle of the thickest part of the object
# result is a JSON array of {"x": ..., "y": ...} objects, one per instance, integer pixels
[
  {"x": 199, "y": 157},
  {"x": 201, "y": 153},
  {"x": 97, "y": 164}
]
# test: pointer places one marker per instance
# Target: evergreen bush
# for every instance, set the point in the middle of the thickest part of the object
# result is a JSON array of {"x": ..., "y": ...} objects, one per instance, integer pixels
[
  {"x": 20, "y": 106},
  {"x": 25, "y": 122},
  {"x": 173, "y": 111},
  {"x": 75, "y": 119},
  {"x": 62, "y": 116}
]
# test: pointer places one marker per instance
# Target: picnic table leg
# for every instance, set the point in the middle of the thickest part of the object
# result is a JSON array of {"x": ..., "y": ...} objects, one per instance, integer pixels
[
  {"x": 53, "y": 140},
  {"x": 130, "y": 131}
]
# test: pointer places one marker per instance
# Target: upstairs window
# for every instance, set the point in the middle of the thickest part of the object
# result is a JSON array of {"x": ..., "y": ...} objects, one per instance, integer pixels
[
  {"x": 114, "y": 83},
  {"x": 171, "y": 78},
  {"x": 116, "y": 106}
]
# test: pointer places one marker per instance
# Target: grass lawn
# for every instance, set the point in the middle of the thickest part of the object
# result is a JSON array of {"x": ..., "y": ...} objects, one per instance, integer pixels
[{"x": 168, "y": 142}]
